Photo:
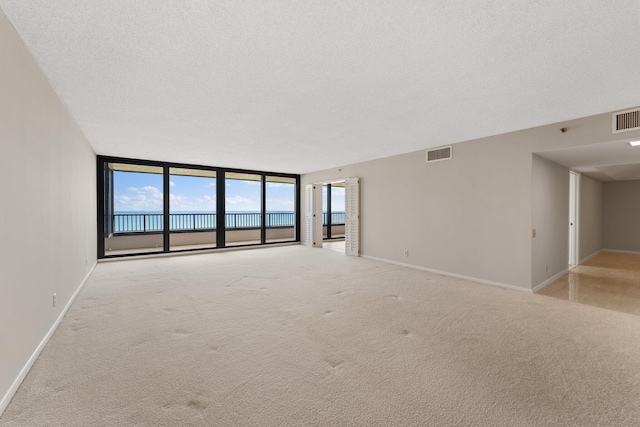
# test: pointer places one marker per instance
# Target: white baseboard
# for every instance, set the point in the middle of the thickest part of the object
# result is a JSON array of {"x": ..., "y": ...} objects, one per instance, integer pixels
[
  {"x": 556, "y": 276},
  {"x": 25, "y": 370},
  {"x": 549, "y": 280},
  {"x": 622, "y": 252},
  {"x": 446, "y": 273},
  {"x": 583, "y": 260}
]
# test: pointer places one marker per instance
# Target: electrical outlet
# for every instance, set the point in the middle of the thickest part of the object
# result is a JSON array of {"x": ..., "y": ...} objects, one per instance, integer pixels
[
  {"x": 55, "y": 297},
  {"x": 406, "y": 252}
]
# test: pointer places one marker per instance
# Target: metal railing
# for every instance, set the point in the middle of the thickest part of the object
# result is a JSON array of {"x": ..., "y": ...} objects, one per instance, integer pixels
[
  {"x": 137, "y": 223},
  {"x": 154, "y": 222},
  {"x": 243, "y": 220},
  {"x": 337, "y": 218},
  {"x": 280, "y": 219},
  {"x": 192, "y": 221}
]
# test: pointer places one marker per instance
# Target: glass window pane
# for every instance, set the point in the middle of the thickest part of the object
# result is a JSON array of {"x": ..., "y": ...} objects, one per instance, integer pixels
[
  {"x": 134, "y": 206},
  {"x": 192, "y": 209},
  {"x": 280, "y": 209},
  {"x": 243, "y": 205},
  {"x": 337, "y": 210},
  {"x": 325, "y": 209}
]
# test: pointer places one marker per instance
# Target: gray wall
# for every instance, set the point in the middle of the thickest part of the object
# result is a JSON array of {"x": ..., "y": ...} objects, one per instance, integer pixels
[
  {"x": 470, "y": 216},
  {"x": 621, "y": 214},
  {"x": 590, "y": 221},
  {"x": 550, "y": 219},
  {"x": 47, "y": 208},
  {"x": 443, "y": 213}
]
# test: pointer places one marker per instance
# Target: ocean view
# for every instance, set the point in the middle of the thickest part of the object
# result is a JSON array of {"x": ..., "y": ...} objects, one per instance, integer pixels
[{"x": 151, "y": 221}]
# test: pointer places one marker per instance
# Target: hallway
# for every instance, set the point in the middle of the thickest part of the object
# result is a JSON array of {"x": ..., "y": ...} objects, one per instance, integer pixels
[{"x": 609, "y": 280}]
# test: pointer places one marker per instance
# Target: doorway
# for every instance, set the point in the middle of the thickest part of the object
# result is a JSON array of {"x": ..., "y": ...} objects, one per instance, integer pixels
[
  {"x": 323, "y": 216},
  {"x": 333, "y": 216},
  {"x": 333, "y": 210}
]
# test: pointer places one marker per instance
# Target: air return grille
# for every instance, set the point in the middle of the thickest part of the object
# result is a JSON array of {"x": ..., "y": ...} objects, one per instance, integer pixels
[
  {"x": 626, "y": 121},
  {"x": 442, "y": 153}
]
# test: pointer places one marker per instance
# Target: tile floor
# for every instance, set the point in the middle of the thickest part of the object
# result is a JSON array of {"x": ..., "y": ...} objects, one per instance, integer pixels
[{"x": 609, "y": 280}]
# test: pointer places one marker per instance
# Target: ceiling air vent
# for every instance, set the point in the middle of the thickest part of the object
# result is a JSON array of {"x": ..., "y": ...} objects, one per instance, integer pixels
[
  {"x": 437, "y": 154},
  {"x": 626, "y": 121}
]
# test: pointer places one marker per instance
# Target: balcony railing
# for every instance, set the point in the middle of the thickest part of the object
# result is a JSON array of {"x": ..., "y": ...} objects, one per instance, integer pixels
[
  {"x": 154, "y": 222},
  {"x": 137, "y": 223},
  {"x": 192, "y": 221},
  {"x": 337, "y": 218}
]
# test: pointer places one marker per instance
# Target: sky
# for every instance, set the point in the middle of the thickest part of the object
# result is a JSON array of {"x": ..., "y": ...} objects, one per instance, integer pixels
[
  {"x": 134, "y": 191},
  {"x": 337, "y": 199}
]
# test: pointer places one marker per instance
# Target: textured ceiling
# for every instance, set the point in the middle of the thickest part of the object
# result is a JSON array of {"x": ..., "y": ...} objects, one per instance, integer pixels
[
  {"x": 607, "y": 161},
  {"x": 298, "y": 86}
]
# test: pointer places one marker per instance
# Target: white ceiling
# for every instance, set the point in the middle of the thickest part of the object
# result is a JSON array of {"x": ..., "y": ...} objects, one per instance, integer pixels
[
  {"x": 608, "y": 161},
  {"x": 297, "y": 86}
]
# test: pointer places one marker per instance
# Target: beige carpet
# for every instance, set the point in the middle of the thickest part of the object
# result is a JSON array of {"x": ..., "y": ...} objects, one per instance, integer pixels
[{"x": 294, "y": 336}]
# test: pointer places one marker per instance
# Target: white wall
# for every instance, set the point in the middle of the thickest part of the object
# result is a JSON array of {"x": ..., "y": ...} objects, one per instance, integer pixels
[
  {"x": 47, "y": 208},
  {"x": 470, "y": 216},
  {"x": 550, "y": 219},
  {"x": 621, "y": 211},
  {"x": 590, "y": 221}
]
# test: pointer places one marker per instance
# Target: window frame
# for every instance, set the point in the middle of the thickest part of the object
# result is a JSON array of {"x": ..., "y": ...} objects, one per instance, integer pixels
[{"x": 102, "y": 161}]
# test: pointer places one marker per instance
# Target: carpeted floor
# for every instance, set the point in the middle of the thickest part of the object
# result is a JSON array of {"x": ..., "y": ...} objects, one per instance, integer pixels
[{"x": 293, "y": 336}]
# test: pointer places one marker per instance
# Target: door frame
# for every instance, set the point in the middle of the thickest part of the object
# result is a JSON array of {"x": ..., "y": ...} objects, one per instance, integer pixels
[
  {"x": 317, "y": 215},
  {"x": 574, "y": 219}
]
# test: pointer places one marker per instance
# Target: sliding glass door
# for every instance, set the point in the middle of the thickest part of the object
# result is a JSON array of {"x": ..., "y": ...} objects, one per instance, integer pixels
[
  {"x": 280, "y": 203},
  {"x": 333, "y": 210},
  {"x": 337, "y": 216},
  {"x": 134, "y": 209},
  {"x": 148, "y": 207},
  {"x": 192, "y": 209},
  {"x": 243, "y": 209}
]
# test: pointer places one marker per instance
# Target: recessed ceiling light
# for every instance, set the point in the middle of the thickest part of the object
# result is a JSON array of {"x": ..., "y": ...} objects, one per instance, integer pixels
[{"x": 634, "y": 143}]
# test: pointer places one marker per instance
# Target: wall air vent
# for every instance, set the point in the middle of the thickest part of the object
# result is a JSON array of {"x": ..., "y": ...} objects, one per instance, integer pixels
[
  {"x": 437, "y": 154},
  {"x": 626, "y": 121}
]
